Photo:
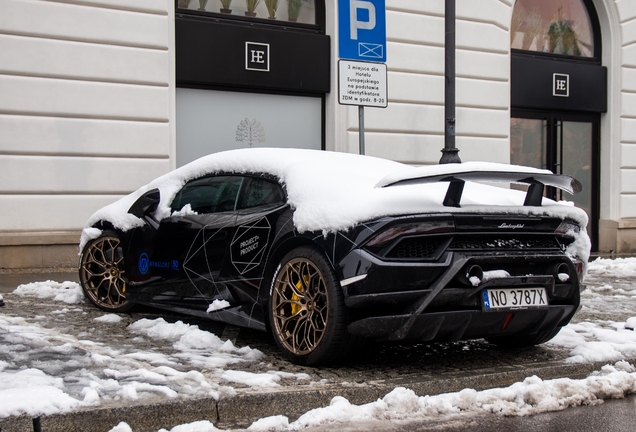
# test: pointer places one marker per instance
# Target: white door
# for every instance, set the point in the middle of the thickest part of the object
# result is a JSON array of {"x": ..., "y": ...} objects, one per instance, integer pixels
[{"x": 209, "y": 121}]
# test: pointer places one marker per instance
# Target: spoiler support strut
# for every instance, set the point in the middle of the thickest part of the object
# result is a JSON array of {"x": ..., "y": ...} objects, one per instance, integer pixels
[{"x": 534, "y": 195}]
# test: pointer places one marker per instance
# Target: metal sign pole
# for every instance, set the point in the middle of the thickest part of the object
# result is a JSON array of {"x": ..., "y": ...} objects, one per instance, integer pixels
[{"x": 361, "y": 127}]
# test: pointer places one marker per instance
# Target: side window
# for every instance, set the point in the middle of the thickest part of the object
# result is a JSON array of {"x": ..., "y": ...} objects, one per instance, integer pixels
[
  {"x": 261, "y": 192},
  {"x": 209, "y": 194}
]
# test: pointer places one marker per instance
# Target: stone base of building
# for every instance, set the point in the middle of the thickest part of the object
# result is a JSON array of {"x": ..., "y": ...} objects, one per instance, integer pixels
[
  {"x": 39, "y": 250},
  {"x": 617, "y": 236}
]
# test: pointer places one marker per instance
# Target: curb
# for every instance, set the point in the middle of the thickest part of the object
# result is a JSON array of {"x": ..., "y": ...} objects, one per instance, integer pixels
[{"x": 248, "y": 405}]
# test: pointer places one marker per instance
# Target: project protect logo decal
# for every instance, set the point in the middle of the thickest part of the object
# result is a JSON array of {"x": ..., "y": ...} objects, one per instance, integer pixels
[
  {"x": 249, "y": 244},
  {"x": 144, "y": 264}
]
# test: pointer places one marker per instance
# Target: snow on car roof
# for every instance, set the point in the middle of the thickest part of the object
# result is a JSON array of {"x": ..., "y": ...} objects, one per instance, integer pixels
[{"x": 332, "y": 191}]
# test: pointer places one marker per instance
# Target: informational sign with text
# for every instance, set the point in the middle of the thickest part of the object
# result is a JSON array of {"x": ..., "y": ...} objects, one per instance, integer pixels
[{"x": 362, "y": 84}]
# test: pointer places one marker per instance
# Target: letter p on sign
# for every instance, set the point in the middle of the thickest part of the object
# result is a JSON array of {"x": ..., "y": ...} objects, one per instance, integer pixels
[
  {"x": 362, "y": 30},
  {"x": 356, "y": 24}
]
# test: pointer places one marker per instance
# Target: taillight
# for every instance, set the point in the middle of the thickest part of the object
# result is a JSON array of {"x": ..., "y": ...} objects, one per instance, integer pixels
[
  {"x": 412, "y": 228},
  {"x": 579, "y": 269},
  {"x": 567, "y": 227}
]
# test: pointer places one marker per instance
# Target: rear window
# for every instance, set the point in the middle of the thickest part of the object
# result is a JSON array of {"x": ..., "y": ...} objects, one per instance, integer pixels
[{"x": 261, "y": 192}]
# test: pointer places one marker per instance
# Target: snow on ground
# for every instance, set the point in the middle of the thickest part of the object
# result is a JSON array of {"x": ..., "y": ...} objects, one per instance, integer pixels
[
  {"x": 67, "y": 292},
  {"x": 601, "y": 329},
  {"x": 33, "y": 357},
  {"x": 610, "y": 296},
  {"x": 619, "y": 267}
]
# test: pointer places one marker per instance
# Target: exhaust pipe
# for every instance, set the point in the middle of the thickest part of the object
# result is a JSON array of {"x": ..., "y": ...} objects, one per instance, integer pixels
[
  {"x": 562, "y": 273},
  {"x": 471, "y": 276}
]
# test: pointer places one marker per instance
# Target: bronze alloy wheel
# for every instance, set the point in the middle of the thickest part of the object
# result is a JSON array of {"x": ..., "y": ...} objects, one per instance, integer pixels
[
  {"x": 101, "y": 274},
  {"x": 300, "y": 305}
]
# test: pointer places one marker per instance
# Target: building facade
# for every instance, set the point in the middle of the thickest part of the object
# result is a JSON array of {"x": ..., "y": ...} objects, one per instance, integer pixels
[{"x": 97, "y": 97}]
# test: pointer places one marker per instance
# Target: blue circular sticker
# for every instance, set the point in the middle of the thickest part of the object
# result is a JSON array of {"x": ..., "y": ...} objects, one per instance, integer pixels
[{"x": 144, "y": 263}]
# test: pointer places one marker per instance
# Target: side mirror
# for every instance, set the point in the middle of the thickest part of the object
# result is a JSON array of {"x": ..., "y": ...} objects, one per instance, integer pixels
[{"x": 145, "y": 205}]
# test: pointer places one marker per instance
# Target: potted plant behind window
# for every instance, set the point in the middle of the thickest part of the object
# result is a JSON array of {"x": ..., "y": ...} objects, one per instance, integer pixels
[
  {"x": 225, "y": 6},
  {"x": 183, "y": 4},
  {"x": 293, "y": 9},
  {"x": 251, "y": 7},
  {"x": 271, "y": 5},
  {"x": 562, "y": 38},
  {"x": 202, "y": 4}
]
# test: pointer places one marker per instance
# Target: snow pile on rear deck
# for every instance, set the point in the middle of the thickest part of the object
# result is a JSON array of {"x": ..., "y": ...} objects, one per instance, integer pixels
[{"x": 335, "y": 191}]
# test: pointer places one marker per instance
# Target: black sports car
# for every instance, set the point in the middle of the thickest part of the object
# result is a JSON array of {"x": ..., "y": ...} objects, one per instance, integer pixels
[{"x": 326, "y": 249}]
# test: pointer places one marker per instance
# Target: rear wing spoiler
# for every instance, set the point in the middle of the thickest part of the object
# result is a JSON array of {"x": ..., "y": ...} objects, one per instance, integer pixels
[{"x": 536, "y": 180}]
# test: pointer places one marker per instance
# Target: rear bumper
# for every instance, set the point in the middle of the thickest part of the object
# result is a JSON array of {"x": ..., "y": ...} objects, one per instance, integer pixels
[
  {"x": 390, "y": 282},
  {"x": 462, "y": 325},
  {"x": 431, "y": 302}
]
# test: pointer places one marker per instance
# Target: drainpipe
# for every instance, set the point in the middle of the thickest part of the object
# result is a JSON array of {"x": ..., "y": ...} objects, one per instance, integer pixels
[{"x": 449, "y": 152}]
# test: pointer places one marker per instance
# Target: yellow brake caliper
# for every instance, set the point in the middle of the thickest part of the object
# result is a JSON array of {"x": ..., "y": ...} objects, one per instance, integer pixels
[{"x": 295, "y": 307}]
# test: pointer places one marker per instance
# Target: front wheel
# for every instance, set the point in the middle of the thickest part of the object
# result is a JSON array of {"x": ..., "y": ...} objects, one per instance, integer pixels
[
  {"x": 306, "y": 309},
  {"x": 101, "y": 274}
]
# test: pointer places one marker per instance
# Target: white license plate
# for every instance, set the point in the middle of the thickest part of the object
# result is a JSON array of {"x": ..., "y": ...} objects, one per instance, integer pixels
[{"x": 514, "y": 298}]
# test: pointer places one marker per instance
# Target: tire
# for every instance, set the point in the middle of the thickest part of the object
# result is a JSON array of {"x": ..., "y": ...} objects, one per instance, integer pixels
[
  {"x": 521, "y": 340},
  {"x": 101, "y": 273},
  {"x": 306, "y": 310}
]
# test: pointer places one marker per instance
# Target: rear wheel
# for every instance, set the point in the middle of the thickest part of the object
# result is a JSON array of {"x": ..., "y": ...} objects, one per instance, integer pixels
[
  {"x": 101, "y": 274},
  {"x": 306, "y": 309},
  {"x": 520, "y": 341}
]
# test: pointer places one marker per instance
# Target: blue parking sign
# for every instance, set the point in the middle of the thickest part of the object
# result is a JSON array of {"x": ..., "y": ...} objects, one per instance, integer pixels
[{"x": 362, "y": 30}]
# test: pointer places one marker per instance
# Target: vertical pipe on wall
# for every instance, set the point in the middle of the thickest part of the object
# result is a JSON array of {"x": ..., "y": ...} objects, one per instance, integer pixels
[
  {"x": 361, "y": 128},
  {"x": 449, "y": 152}
]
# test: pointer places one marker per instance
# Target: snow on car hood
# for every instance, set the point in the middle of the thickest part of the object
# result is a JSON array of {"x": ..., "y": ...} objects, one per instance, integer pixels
[{"x": 332, "y": 191}]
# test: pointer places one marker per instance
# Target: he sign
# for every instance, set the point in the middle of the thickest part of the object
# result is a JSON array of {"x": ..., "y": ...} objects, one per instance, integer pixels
[
  {"x": 257, "y": 56},
  {"x": 362, "y": 30},
  {"x": 561, "y": 85}
]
